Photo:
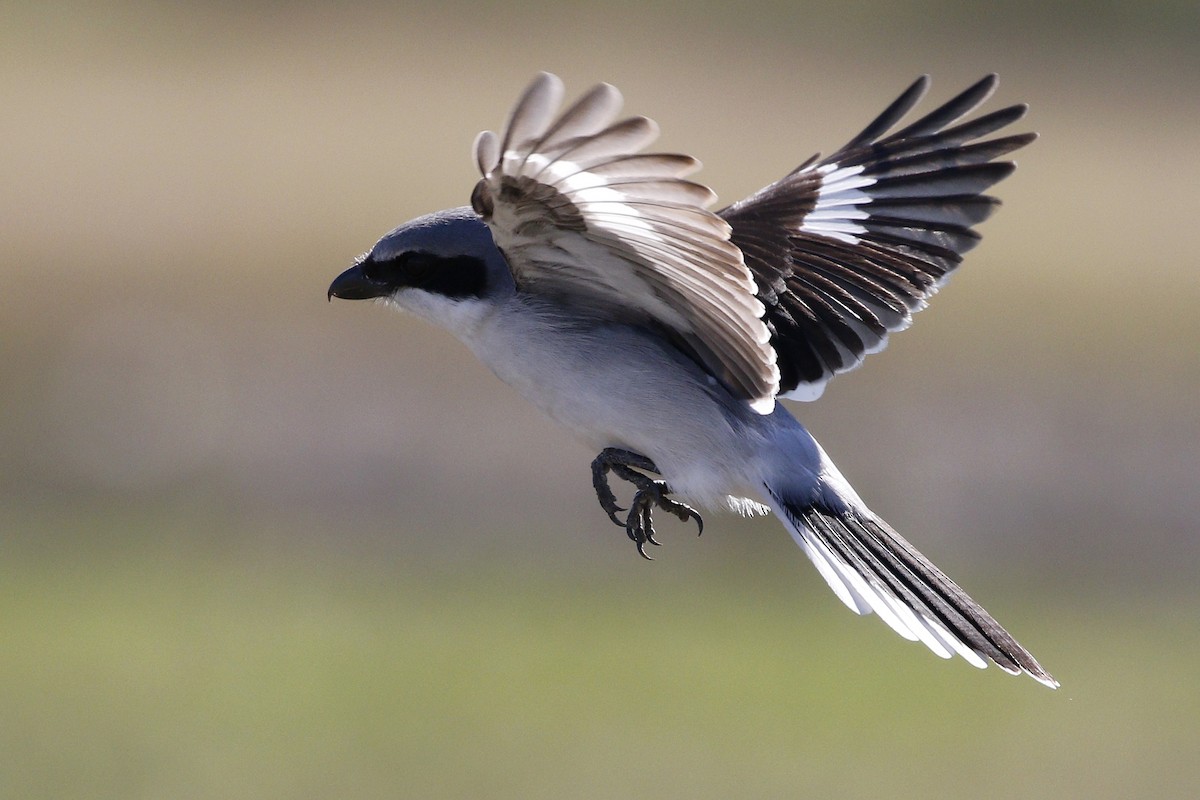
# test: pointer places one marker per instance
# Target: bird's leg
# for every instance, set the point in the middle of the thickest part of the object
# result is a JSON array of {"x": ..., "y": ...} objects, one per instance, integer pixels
[{"x": 638, "y": 524}]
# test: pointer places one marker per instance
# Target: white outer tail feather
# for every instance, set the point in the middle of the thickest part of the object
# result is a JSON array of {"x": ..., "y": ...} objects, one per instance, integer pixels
[
  {"x": 862, "y": 598},
  {"x": 872, "y": 569}
]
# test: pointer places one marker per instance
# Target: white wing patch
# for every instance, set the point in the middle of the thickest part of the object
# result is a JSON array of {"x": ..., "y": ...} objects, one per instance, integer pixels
[
  {"x": 839, "y": 203},
  {"x": 851, "y": 246}
]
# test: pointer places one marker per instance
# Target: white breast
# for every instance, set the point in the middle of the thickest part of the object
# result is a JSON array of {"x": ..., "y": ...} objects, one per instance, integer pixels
[{"x": 617, "y": 386}]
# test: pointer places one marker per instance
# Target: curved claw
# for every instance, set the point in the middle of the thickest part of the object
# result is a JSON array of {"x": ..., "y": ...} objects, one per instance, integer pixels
[
  {"x": 647, "y": 527},
  {"x": 604, "y": 493},
  {"x": 640, "y": 525},
  {"x": 620, "y": 463},
  {"x": 641, "y": 548},
  {"x": 638, "y": 522},
  {"x": 685, "y": 513}
]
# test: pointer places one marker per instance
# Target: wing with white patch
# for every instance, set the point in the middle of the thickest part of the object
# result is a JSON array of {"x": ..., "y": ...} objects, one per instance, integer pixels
[
  {"x": 845, "y": 249},
  {"x": 581, "y": 214}
]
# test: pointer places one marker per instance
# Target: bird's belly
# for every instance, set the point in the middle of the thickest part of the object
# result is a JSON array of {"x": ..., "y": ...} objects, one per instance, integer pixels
[{"x": 626, "y": 390}]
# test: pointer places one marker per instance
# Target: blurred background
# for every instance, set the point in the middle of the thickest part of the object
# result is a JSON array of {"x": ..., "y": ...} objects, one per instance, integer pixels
[{"x": 254, "y": 545}]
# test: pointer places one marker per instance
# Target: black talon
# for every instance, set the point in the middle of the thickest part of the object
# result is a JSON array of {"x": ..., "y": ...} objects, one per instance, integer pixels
[
  {"x": 685, "y": 513},
  {"x": 639, "y": 531},
  {"x": 647, "y": 527},
  {"x": 608, "y": 500},
  {"x": 638, "y": 524}
]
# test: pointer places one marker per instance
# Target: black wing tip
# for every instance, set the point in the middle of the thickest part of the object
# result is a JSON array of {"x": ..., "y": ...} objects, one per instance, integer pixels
[
  {"x": 981, "y": 90},
  {"x": 1000, "y": 169},
  {"x": 987, "y": 83},
  {"x": 921, "y": 84},
  {"x": 991, "y": 80},
  {"x": 1019, "y": 140}
]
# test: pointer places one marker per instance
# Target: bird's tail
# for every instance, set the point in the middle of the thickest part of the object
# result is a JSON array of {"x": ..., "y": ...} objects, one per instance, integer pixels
[{"x": 872, "y": 568}]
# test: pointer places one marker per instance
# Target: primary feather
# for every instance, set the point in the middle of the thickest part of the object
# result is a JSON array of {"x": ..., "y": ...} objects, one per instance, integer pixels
[{"x": 845, "y": 249}]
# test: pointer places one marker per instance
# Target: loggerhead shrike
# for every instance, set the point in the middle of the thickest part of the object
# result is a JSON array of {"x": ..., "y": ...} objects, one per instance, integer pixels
[{"x": 590, "y": 277}]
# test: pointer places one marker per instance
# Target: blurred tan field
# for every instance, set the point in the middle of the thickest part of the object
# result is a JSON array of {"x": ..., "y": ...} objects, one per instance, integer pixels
[{"x": 256, "y": 545}]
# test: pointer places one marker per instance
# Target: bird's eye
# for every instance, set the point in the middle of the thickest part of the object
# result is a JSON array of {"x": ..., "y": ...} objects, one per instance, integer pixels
[
  {"x": 417, "y": 268},
  {"x": 453, "y": 276},
  {"x": 406, "y": 269}
]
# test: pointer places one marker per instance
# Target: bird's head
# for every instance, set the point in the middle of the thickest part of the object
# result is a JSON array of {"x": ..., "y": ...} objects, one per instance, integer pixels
[{"x": 439, "y": 266}]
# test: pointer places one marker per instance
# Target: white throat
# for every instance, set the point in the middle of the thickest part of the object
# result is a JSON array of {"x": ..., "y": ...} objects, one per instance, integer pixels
[{"x": 460, "y": 316}]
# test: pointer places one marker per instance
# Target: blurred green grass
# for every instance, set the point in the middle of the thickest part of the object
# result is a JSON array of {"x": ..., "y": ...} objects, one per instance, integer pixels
[{"x": 171, "y": 669}]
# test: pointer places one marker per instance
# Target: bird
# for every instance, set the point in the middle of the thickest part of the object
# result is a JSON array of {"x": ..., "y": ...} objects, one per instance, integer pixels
[{"x": 591, "y": 276}]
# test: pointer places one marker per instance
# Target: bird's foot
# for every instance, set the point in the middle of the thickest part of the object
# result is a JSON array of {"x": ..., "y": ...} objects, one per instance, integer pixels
[
  {"x": 639, "y": 525},
  {"x": 622, "y": 462},
  {"x": 638, "y": 522}
]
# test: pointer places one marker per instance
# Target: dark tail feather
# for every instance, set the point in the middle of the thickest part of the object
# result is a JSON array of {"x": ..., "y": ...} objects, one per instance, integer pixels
[{"x": 873, "y": 568}]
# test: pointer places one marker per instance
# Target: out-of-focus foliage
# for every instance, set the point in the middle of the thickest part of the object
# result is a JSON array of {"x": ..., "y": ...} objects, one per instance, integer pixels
[
  {"x": 271, "y": 667},
  {"x": 257, "y": 545}
]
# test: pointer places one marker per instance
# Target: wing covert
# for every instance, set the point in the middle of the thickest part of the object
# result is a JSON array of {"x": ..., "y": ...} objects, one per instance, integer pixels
[{"x": 582, "y": 214}]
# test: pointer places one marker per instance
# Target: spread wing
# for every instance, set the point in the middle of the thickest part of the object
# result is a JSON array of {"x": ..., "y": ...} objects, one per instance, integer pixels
[
  {"x": 582, "y": 215},
  {"x": 845, "y": 249}
]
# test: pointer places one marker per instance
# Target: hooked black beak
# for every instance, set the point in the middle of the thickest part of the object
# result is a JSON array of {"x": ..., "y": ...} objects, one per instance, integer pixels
[{"x": 353, "y": 284}]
